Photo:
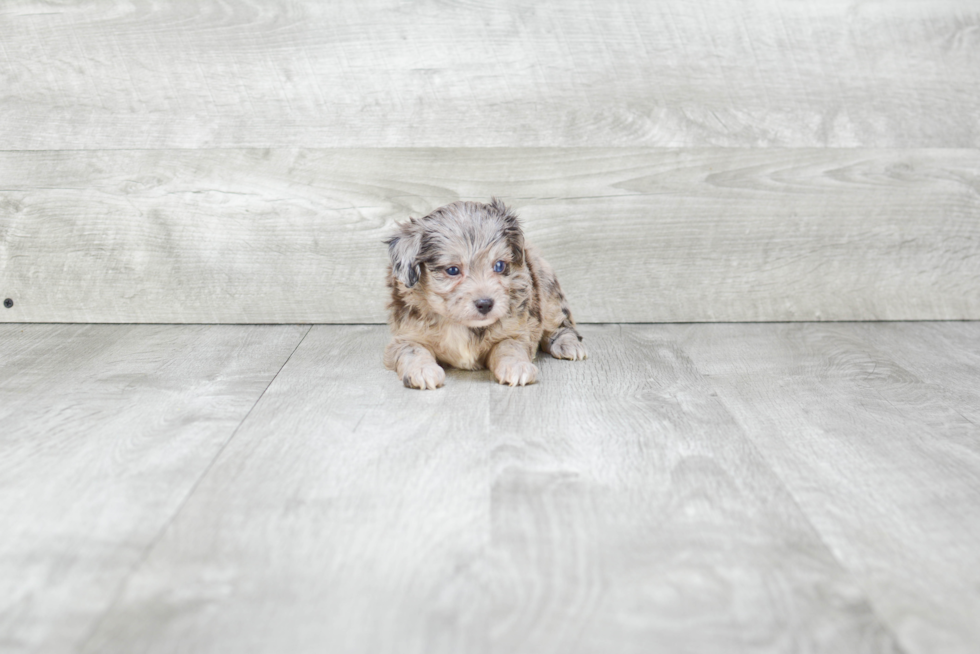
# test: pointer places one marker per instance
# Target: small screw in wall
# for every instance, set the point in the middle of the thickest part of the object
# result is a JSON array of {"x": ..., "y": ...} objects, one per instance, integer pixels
[{"x": 8, "y": 303}]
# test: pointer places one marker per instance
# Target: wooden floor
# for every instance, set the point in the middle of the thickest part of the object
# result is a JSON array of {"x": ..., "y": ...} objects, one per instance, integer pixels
[{"x": 803, "y": 487}]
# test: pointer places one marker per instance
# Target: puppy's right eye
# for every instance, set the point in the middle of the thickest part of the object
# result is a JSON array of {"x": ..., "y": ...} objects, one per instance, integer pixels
[{"x": 452, "y": 271}]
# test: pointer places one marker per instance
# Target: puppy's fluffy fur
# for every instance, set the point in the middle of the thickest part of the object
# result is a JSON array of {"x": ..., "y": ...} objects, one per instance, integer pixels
[{"x": 467, "y": 291}]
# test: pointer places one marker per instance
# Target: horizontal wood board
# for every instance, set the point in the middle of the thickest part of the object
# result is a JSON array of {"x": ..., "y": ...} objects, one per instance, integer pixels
[
  {"x": 382, "y": 73},
  {"x": 635, "y": 234}
]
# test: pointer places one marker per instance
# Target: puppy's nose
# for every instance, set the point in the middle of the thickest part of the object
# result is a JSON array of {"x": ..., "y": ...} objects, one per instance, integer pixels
[{"x": 484, "y": 305}]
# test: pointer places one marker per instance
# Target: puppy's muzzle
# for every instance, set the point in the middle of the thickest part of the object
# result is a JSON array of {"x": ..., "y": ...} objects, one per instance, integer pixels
[{"x": 484, "y": 305}]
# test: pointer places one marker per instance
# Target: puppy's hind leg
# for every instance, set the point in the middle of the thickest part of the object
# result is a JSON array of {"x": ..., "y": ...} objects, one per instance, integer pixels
[
  {"x": 510, "y": 362},
  {"x": 564, "y": 343},
  {"x": 414, "y": 364},
  {"x": 560, "y": 338}
]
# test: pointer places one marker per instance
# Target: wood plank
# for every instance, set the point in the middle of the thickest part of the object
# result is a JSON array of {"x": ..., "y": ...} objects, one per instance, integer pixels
[
  {"x": 632, "y": 514},
  {"x": 614, "y": 506},
  {"x": 301, "y": 73},
  {"x": 636, "y": 235},
  {"x": 349, "y": 514},
  {"x": 954, "y": 377},
  {"x": 885, "y": 465},
  {"x": 105, "y": 430}
]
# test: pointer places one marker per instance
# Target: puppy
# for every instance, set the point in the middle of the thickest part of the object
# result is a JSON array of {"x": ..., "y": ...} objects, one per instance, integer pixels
[{"x": 466, "y": 291}]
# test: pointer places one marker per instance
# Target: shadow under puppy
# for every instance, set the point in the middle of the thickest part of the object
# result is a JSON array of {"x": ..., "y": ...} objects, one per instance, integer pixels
[{"x": 468, "y": 292}]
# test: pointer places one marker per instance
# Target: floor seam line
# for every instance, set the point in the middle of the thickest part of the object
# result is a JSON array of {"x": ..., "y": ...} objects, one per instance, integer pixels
[
  {"x": 818, "y": 533},
  {"x": 804, "y": 514},
  {"x": 180, "y": 508}
]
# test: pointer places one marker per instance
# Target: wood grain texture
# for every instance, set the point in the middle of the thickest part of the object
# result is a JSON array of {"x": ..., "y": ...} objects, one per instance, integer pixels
[
  {"x": 952, "y": 379},
  {"x": 105, "y": 430},
  {"x": 632, "y": 514},
  {"x": 636, "y": 235},
  {"x": 885, "y": 463},
  {"x": 301, "y": 73},
  {"x": 614, "y": 506},
  {"x": 350, "y": 515}
]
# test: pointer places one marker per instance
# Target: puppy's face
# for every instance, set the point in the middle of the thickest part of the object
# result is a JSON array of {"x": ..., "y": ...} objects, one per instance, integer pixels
[
  {"x": 468, "y": 284},
  {"x": 461, "y": 262}
]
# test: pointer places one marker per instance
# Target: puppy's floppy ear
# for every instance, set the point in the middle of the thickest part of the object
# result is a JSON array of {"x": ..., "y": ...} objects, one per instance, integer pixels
[
  {"x": 403, "y": 251},
  {"x": 512, "y": 229}
]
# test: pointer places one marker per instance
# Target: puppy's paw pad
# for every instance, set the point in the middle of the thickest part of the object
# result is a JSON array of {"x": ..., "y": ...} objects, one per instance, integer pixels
[
  {"x": 430, "y": 376},
  {"x": 516, "y": 373},
  {"x": 568, "y": 347}
]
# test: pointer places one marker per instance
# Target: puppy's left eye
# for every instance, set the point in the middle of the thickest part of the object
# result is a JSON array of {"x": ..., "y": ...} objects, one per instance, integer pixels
[
  {"x": 499, "y": 267},
  {"x": 452, "y": 271}
]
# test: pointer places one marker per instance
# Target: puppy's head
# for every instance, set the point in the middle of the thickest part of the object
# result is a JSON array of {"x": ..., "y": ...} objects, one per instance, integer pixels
[{"x": 460, "y": 262}]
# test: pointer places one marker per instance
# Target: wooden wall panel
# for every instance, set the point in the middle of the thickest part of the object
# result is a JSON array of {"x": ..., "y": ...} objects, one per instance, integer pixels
[
  {"x": 635, "y": 234},
  {"x": 379, "y": 73}
]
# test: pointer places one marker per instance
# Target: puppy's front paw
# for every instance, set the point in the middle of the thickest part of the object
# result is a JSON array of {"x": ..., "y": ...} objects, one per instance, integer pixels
[
  {"x": 514, "y": 372},
  {"x": 567, "y": 346},
  {"x": 426, "y": 376}
]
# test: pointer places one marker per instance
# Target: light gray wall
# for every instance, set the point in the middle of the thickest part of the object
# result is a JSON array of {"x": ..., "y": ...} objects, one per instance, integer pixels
[{"x": 676, "y": 161}]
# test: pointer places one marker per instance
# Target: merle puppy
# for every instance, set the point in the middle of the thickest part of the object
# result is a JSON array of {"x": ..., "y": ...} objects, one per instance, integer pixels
[{"x": 467, "y": 291}]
